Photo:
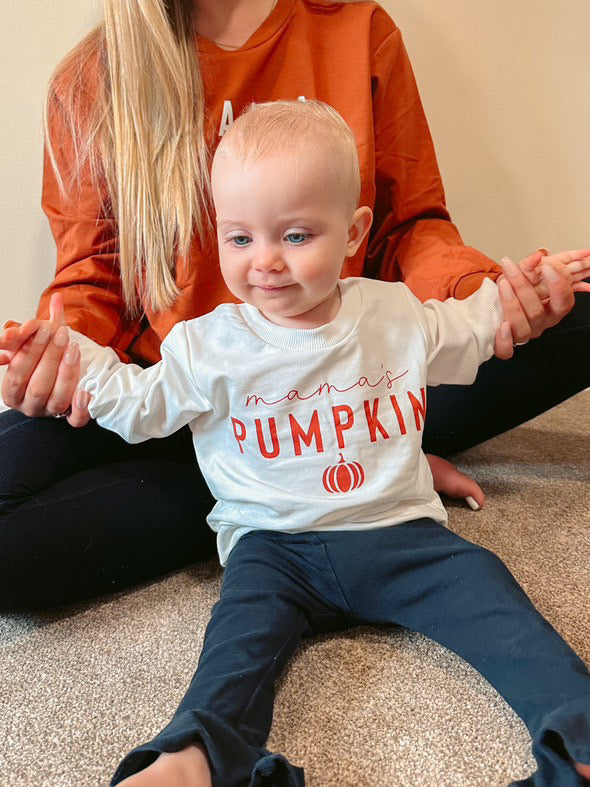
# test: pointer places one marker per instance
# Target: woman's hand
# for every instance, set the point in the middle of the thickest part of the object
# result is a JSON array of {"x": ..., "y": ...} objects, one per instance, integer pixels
[
  {"x": 43, "y": 366},
  {"x": 537, "y": 293}
]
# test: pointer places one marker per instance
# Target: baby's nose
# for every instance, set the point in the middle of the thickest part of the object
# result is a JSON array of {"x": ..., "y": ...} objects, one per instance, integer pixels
[{"x": 269, "y": 258}]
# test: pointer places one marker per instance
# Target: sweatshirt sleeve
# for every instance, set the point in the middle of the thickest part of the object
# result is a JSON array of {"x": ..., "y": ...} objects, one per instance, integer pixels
[
  {"x": 413, "y": 238},
  {"x": 459, "y": 334},
  {"x": 85, "y": 233},
  {"x": 138, "y": 403}
]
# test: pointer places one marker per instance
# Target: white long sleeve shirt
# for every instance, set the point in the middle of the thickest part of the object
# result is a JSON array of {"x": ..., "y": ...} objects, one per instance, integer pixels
[{"x": 298, "y": 430}]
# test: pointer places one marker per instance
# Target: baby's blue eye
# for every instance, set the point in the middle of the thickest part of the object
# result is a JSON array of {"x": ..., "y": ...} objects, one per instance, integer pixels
[
  {"x": 296, "y": 237},
  {"x": 240, "y": 240}
]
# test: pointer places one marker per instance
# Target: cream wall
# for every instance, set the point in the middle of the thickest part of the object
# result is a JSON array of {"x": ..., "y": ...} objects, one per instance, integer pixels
[
  {"x": 34, "y": 34},
  {"x": 506, "y": 86}
]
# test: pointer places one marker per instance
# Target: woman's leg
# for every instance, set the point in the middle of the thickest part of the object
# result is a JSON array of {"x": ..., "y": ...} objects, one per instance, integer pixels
[
  {"x": 426, "y": 578},
  {"x": 540, "y": 375},
  {"x": 84, "y": 513},
  {"x": 273, "y": 594}
]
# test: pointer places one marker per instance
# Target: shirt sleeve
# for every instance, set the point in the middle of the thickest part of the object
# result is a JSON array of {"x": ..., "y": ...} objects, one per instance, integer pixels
[
  {"x": 137, "y": 403},
  {"x": 413, "y": 238},
  {"x": 86, "y": 237},
  {"x": 459, "y": 334}
]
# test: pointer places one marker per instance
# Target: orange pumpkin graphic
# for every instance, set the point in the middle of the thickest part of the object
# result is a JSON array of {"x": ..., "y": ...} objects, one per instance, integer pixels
[{"x": 343, "y": 477}]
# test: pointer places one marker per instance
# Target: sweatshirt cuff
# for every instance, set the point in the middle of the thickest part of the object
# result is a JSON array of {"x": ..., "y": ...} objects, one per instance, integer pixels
[{"x": 471, "y": 282}]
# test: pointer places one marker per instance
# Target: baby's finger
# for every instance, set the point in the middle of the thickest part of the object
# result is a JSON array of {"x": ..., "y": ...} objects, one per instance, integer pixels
[
  {"x": 7, "y": 340},
  {"x": 530, "y": 264},
  {"x": 567, "y": 257},
  {"x": 79, "y": 416},
  {"x": 579, "y": 269},
  {"x": 68, "y": 374},
  {"x": 13, "y": 338}
]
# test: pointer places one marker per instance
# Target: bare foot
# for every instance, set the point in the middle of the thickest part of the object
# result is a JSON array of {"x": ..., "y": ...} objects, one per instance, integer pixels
[
  {"x": 583, "y": 770},
  {"x": 186, "y": 768},
  {"x": 453, "y": 483}
]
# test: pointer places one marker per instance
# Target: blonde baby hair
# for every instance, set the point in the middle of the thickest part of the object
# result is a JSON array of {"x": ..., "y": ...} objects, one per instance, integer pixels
[{"x": 278, "y": 126}]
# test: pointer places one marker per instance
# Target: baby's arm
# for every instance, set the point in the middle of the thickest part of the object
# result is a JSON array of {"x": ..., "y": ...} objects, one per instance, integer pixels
[
  {"x": 459, "y": 334},
  {"x": 138, "y": 403}
]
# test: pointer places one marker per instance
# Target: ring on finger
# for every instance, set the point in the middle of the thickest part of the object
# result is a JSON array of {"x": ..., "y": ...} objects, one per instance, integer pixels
[{"x": 64, "y": 414}]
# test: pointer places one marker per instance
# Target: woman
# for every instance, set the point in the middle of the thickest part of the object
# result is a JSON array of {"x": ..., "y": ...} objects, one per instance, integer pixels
[{"x": 132, "y": 118}]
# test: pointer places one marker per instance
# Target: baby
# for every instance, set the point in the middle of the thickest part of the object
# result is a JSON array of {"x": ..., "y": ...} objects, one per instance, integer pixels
[{"x": 306, "y": 401}]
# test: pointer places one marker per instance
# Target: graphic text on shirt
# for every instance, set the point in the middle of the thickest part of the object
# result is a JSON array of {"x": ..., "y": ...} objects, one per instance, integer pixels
[{"x": 283, "y": 432}]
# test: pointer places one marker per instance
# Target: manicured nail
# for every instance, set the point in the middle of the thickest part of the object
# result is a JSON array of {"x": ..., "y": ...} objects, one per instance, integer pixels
[
  {"x": 42, "y": 335},
  {"x": 550, "y": 273},
  {"x": 72, "y": 353},
  {"x": 61, "y": 336},
  {"x": 510, "y": 268},
  {"x": 472, "y": 503},
  {"x": 10, "y": 324},
  {"x": 506, "y": 290},
  {"x": 505, "y": 331}
]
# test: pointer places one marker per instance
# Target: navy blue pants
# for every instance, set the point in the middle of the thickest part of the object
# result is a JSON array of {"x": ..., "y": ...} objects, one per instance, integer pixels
[{"x": 279, "y": 588}]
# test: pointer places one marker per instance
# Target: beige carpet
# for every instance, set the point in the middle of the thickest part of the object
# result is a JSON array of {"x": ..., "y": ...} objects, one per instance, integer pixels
[{"x": 367, "y": 709}]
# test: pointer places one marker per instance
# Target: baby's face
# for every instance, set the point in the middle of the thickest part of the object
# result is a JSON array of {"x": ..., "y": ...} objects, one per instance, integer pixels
[{"x": 283, "y": 234}]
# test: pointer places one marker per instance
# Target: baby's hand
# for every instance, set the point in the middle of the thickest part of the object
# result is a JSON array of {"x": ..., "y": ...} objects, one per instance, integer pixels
[
  {"x": 14, "y": 338},
  {"x": 537, "y": 293},
  {"x": 15, "y": 335},
  {"x": 43, "y": 367},
  {"x": 574, "y": 265}
]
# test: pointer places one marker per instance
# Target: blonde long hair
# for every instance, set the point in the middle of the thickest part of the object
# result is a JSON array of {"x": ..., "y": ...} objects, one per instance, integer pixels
[{"x": 142, "y": 134}]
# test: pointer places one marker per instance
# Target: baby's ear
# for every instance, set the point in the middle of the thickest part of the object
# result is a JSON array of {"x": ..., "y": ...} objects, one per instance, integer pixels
[{"x": 359, "y": 226}]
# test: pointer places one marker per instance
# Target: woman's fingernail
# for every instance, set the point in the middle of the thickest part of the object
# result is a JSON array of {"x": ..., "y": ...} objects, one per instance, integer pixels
[
  {"x": 510, "y": 268},
  {"x": 61, "y": 336},
  {"x": 506, "y": 290},
  {"x": 550, "y": 273},
  {"x": 505, "y": 331},
  {"x": 72, "y": 353},
  {"x": 472, "y": 503},
  {"x": 10, "y": 324},
  {"x": 43, "y": 334}
]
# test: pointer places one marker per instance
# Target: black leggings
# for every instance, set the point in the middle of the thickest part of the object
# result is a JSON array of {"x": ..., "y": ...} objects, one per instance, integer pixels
[{"x": 82, "y": 513}]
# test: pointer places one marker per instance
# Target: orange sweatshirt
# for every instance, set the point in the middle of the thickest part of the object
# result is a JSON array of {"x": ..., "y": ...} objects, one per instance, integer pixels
[{"x": 350, "y": 55}]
